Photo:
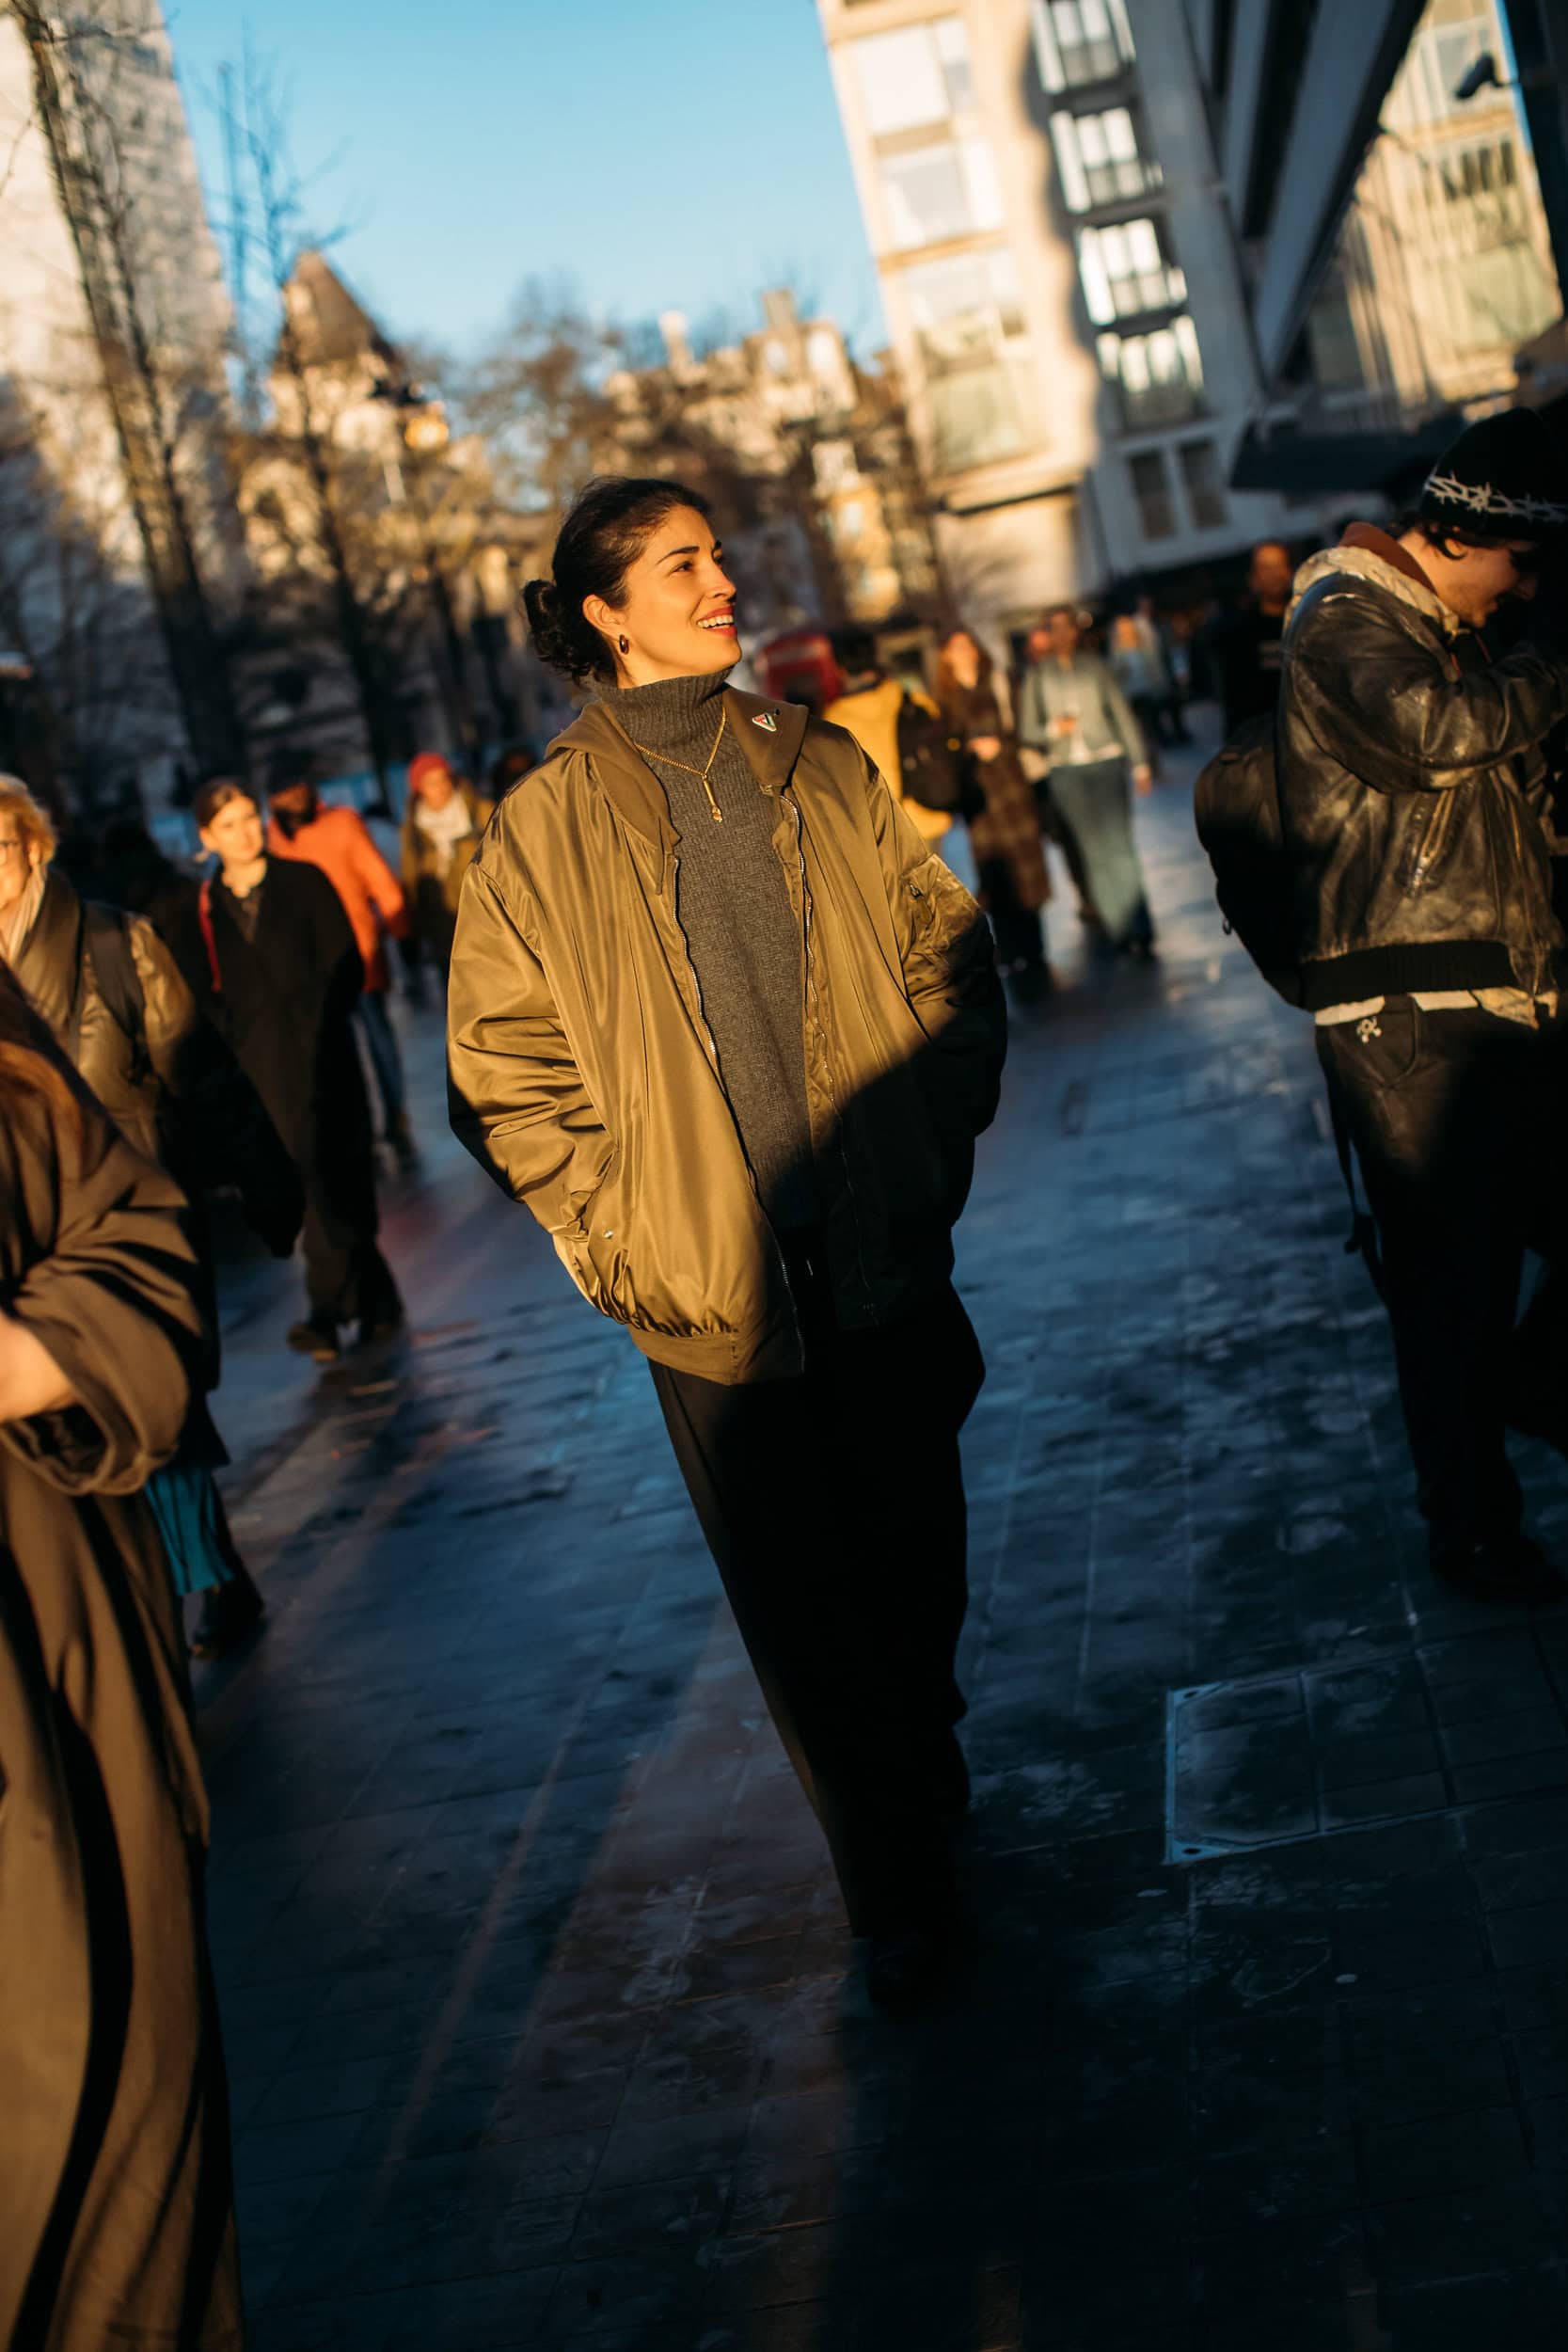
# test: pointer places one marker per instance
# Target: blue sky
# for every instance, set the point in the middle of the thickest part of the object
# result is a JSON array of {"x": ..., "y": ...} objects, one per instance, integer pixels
[{"x": 659, "y": 153}]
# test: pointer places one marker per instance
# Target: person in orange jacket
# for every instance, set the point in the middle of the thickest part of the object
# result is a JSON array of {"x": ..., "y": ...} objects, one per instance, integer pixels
[{"x": 339, "y": 841}]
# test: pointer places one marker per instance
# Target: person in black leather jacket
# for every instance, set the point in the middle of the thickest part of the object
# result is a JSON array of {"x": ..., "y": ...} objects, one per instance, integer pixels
[{"x": 1414, "y": 802}]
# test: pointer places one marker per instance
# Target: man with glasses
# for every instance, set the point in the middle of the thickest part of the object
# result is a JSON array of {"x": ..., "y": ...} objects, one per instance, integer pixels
[{"x": 1414, "y": 798}]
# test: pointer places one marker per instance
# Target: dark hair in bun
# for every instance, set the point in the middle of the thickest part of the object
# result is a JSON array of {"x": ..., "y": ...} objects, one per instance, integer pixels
[
  {"x": 599, "y": 541},
  {"x": 217, "y": 795}
]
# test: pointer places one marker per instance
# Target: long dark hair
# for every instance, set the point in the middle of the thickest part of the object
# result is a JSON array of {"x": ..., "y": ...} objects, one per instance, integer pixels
[
  {"x": 215, "y": 797},
  {"x": 597, "y": 544}
]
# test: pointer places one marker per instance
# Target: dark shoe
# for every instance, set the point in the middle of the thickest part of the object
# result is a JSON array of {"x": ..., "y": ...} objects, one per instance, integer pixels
[
  {"x": 316, "y": 1336},
  {"x": 387, "y": 1322},
  {"x": 231, "y": 1614},
  {"x": 907, "y": 1967},
  {"x": 1509, "y": 1570}
]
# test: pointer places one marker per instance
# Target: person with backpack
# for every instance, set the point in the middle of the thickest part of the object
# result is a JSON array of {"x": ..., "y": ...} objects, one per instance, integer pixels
[
  {"x": 889, "y": 719},
  {"x": 276, "y": 969},
  {"x": 110, "y": 993},
  {"x": 1414, "y": 818}
]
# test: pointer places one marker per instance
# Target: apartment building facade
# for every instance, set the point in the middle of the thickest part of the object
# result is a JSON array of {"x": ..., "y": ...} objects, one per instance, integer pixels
[{"x": 1063, "y": 288}]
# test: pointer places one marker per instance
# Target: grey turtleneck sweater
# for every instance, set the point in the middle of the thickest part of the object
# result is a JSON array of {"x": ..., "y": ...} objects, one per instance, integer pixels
[{"x": 733, "y": 905}]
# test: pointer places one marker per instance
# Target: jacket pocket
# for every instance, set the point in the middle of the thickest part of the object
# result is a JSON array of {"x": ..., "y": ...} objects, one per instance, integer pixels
[
  {"x": 1385, "y": 1047},
  {"x": 593, "y": 1249}
]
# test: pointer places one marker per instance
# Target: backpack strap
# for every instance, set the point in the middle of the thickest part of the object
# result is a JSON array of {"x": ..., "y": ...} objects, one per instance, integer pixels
[
  {"x": 107, "y": 940},
  {"x": 1362, "y": 1241},
  {"x": 209, "y": 937}
]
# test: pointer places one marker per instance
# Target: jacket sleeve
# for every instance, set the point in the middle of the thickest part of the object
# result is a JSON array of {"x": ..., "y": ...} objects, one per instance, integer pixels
[
  {"x": 1395, "y": 714},
  {"x": 1118, "y": 710},
  {"x": 109, "y": 1290},
  {"x": 515, "y": 1094},
  {"x": 948, "y": 961},
  {"x": 385, "y": 889}
]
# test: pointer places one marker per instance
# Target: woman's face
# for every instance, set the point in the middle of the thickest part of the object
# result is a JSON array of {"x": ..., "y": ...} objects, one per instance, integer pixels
[
  {"x": 18, "y": 859},
  {"x": 436, "y": 787},
  {"x": 677, "y": 607},
  {"x": 1064, "y": 635},
  {"x": 962, "y": 656},
  {"x": 236, "y": 834}
]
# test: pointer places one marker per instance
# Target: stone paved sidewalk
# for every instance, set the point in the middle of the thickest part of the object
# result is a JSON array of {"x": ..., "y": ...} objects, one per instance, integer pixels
[{"x": 540, "y": 2010}]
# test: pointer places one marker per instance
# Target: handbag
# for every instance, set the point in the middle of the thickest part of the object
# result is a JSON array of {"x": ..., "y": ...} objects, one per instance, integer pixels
[{"x": 930, "y": 759}]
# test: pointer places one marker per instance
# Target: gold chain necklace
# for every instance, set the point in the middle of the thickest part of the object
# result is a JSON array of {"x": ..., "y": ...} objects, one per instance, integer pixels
[{"x": 701, "y": 773}]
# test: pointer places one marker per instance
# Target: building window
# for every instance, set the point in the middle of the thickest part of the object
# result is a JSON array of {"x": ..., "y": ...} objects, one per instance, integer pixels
[
  {"x": 975, "y": 357},
  {"x": 1098, "y": 159},
  {"x": 1204, "y": 485},
  {"x": 910, "y": 79},
  {"x": 1151, "y": 489},
  {"x": 1125, "y": 270},
  {"x": 1158, "y": 376},
  {"x": 932, "y": 193},
  {"x": 1078, "y": 42}
]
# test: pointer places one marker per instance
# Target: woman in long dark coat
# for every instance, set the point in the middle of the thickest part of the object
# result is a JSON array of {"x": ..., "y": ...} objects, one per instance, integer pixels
[
  {"x": 116, "y": 2199},
  {"x": 109, "y": 990},
  {"x": 276, "y": 968},
  {"x": 1000, "y": 810}
]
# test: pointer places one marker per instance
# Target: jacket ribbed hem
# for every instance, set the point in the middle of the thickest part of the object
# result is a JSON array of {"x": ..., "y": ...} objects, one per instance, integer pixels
[{"x": 1401, "y": 971}]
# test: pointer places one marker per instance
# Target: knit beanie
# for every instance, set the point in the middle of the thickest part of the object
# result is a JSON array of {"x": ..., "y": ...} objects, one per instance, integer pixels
[
  {"x": 426, "y": 764},
  {"x": 1504, "y": 478}
]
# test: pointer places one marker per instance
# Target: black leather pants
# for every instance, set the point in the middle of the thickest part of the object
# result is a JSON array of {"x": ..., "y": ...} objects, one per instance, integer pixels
[{"x": 1460, "y": 1122}]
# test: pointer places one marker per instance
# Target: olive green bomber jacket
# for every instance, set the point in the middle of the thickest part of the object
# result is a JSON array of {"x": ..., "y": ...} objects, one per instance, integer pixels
[{"x": 582, "y": 1076}]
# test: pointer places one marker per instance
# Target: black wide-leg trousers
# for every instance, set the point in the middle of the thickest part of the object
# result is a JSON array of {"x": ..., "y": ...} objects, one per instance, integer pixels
[{"x": 834, "y": 1505}]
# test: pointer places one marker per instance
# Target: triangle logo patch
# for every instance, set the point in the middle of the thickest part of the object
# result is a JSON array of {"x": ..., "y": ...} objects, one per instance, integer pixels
[{"x": 766, "y": 719}]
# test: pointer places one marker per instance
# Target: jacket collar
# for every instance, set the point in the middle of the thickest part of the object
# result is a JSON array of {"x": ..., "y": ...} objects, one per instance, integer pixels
[
  {"x": 1361, "y": 556},
  {"x": 623, "y": 775},
  {"x": 49, "y": 962}
]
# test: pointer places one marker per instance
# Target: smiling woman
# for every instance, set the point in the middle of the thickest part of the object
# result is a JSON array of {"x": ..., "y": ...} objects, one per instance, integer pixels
[
  {"x": 728, "y": 1025},
  {"x": 638, "y": 593}
]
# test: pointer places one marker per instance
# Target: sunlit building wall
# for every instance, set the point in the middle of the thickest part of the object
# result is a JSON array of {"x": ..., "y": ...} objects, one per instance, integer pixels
[
  {"x": 1061, "y": 283},
  {"x": 1444, "y": 265}
]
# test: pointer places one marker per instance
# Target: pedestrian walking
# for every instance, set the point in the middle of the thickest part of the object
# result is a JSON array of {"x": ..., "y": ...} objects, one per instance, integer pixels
[
  {"x": 1245, "y": 644},
  {"x": 1136, "y": 666},
  {"x": 115, "y": 2169},
  {"x": 1075, "y": 715},
  {"x": 337, "y": 840},
  {"x": 1413, "y": 796},
  {"x": 112, "y": 996},
  {"x": 871, "y": 708},
  {"x": 1159, "y": 640},
  {"x": 278, "y": 972},
  {"x": 727, "y": 1024},
  {"x": 1002, "y": 813},
  {"x": 441, "y": 828}
]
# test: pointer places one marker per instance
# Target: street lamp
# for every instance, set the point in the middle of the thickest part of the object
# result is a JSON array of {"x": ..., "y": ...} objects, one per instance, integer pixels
[{"x": 1481, "y": 75}]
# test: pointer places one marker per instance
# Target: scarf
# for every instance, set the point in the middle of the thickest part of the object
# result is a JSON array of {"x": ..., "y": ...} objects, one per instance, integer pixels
[{"x": 444, "y": 828}]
